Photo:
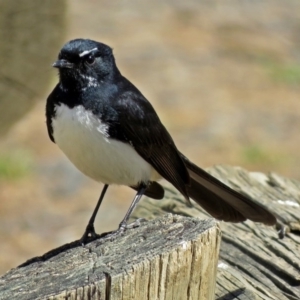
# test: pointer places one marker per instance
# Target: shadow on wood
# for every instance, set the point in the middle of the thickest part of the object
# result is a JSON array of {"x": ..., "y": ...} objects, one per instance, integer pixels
[{"x": 232, "y": 295}]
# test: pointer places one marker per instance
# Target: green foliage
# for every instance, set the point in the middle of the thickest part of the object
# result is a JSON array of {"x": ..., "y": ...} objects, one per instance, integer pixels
[
  {"x": 255, "y": 154},
  {"x": 288, "y": 74},
  {"x": 15, "y": 165}
]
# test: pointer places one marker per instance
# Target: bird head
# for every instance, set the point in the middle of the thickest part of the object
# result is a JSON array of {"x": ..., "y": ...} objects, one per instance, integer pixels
[{"x": 85, "y": 63}]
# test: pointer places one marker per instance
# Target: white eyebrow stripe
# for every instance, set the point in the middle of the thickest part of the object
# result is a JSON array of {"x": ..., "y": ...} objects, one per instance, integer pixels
[{"x": 86, "y": 52}]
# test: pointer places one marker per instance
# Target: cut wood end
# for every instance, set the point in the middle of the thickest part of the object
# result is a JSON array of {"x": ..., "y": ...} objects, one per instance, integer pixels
[{"x": 172, "y": 257}]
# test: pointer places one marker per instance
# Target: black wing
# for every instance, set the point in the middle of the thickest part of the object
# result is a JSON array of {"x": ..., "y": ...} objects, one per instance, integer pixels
[{"x": 139, "y": 125}]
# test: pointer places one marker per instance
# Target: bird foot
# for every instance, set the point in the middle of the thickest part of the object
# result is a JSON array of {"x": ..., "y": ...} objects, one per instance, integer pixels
[
  {"x": 136, "y": 223},
  {"x": 124, "y": 226},
  {"x": 89, "y": 234}
]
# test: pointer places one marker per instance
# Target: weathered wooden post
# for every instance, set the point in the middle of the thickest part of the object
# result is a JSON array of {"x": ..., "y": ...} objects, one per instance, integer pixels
[
  {"x": 254, "y": 263},
  {"x": 173, "y": 257}
]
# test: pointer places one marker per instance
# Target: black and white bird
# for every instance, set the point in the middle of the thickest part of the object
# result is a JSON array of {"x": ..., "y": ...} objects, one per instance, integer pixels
[{"x": 112, "y": 134}]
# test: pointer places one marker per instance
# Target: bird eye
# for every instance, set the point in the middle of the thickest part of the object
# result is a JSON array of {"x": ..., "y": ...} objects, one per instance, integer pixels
[{"x": 90, "y": 60}]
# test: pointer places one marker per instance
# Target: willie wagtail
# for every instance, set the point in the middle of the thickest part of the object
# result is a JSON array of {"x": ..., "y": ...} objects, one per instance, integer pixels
[{"x": 112, "y": 134}]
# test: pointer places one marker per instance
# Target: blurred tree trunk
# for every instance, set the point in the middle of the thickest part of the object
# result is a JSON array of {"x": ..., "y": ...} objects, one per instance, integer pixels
[{"x": 31, "y": 32}]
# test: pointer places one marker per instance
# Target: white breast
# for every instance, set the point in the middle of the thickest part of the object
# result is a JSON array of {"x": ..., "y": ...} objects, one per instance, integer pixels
[{"x": 85, "y": 141}]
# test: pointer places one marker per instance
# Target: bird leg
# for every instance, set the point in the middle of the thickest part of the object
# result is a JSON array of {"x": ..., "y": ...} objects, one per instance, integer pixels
[
  {"x": 141, "y": 190},
  {"x": 90, "y": 230}
]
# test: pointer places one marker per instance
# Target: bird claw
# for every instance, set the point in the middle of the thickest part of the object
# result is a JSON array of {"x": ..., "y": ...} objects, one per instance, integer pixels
[
  {"x": 136, "y": 223},
  {"x": 89, "y": 234}
]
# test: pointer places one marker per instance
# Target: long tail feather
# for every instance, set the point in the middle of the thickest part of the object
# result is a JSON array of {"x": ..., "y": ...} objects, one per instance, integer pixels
[{"x": 221, "y": 201}]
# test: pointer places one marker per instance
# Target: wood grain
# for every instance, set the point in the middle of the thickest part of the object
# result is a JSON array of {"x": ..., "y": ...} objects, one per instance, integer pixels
[
  {"x": 254, "y": 263},
  {"x": 173, "y": 257}
]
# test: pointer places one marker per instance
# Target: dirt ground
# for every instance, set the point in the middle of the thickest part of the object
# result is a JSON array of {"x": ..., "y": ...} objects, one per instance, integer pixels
[{"x": 224, "y": 76}]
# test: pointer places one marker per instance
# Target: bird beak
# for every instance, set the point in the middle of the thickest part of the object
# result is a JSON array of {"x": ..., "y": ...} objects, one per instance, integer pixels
[{"x": 63, "y": 64}]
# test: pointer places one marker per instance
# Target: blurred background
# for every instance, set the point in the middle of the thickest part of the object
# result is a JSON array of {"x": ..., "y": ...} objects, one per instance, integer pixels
[{"x": 224, "y": 77}]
